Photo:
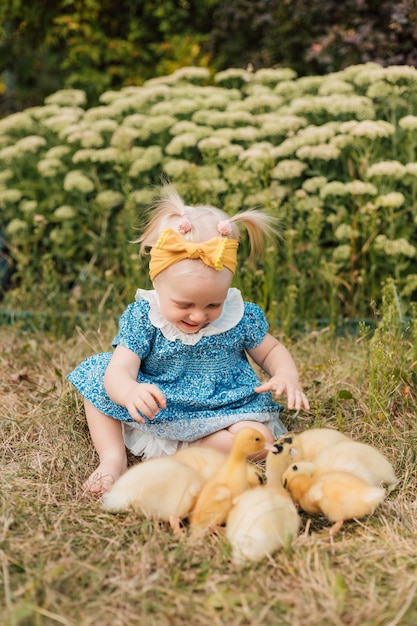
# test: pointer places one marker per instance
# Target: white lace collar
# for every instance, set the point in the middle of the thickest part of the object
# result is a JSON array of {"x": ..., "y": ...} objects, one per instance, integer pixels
[{"x": 232, "y": 314}]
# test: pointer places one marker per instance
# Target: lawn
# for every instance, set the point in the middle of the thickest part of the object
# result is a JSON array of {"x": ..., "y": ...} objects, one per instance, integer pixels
[{"x": 66, "y": 561}]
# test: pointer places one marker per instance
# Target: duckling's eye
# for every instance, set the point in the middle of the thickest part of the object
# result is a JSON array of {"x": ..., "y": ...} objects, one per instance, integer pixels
[
  {"x": 295, "y": 468},
  {"x": 257, "y": 438}
]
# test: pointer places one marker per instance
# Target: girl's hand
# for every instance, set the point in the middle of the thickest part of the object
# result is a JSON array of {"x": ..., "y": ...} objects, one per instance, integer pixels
[
  {"x": 289, "y": 386},
  {"x": 144, "y": 399}
]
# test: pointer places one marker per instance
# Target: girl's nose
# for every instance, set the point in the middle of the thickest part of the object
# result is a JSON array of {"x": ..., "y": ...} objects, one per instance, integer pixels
[{"x": 197, "y": 315}]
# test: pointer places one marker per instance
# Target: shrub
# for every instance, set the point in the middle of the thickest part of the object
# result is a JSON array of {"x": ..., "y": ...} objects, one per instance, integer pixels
[{"x": 332, "y": 157}]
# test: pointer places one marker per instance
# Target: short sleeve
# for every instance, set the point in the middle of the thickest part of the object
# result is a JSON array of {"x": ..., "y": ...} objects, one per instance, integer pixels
[
  {"x": 135, "y": 329},
  {"x": 255, "y": 325}
]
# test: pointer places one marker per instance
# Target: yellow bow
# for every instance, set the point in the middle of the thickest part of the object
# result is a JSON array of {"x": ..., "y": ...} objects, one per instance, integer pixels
[{"x": 170, "y": 248}]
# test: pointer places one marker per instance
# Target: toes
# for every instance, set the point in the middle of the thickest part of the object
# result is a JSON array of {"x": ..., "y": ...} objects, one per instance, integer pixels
[{"x": 98, "y": 484}]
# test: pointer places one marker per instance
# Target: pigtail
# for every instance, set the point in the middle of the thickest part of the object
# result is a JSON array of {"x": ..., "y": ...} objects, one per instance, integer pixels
[
  {"x": 259, "y": 226},
  {"x": 169, "y": 208}
]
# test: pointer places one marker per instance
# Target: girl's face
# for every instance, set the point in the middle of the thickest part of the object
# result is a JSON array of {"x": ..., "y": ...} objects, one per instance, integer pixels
[{"x": 191, "y": 295}]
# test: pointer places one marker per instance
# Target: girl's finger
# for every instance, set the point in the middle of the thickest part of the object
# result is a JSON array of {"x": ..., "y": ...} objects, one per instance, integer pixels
[
  {"x": 262, "y": 388},
  {"x": 157, "y": 396}
]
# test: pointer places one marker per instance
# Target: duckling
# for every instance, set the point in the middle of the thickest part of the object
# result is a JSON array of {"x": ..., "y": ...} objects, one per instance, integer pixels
[
  {"x": 216, "y": 496},
  {"x": 206, "y": 461},
  {"x": 309, "y": 443},
  {"x": 360, "y": 459},
  {"x": 337, "y": 495},
  {"x": 283, "y": 457},
  {"x": 262, "y": 519},
  {"x": 163, "y": 488}
]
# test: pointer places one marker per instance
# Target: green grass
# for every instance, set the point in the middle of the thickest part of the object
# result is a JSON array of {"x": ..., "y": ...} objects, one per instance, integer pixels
[{"x": 63, "y": 560}]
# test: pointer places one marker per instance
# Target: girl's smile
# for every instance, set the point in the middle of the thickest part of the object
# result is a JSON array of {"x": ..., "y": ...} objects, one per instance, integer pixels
[{"x": 190, "y": 327}]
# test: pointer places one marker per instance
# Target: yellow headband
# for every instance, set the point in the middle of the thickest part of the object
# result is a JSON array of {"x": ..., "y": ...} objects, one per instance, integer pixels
[{"x": 170, "y": 248}]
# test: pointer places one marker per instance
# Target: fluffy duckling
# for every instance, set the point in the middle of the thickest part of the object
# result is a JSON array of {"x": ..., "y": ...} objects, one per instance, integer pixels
[
  {"x": 262, "y": 519},
  {"x": 337, "y": 495},
  {"x": 163, "y": 488},
  {"x": 278, "y": 461},
  {"x": 359, "y": 459},
  {"x": 206, "y": 461},
  {"x": 309, "y": 443},
  {"x": 216, "y": 497}
]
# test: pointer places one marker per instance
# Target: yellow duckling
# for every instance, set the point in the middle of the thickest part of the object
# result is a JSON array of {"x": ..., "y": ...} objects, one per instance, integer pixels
[
  {"x": 337, "y": 495},
  {"x": 309, "y": 443},
  {"x": 216, "y": 497},
  {"x": 360, "y": 459},
  {"x": 279, "y": 460},
  {"x": 263, "y": 519},
  {"x": 206, "y": 461},
  {"x": 163, "y": 488}
]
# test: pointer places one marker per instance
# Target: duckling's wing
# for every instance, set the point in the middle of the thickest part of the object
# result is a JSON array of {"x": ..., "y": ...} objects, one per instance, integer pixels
[
  {"x": 314, "y": 498},
  {"x": 213, "y": 504},
  {"x": 205, "y": 461}
]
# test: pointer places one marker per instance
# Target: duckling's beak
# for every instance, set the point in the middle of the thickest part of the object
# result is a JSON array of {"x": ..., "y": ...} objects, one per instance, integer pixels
[
  {"x": 278, "y": 448},
  {"x": 270, "y": 448}
]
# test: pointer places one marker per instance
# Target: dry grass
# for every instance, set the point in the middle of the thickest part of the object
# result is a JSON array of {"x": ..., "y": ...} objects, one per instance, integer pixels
[{"x": 65, "y": 561}]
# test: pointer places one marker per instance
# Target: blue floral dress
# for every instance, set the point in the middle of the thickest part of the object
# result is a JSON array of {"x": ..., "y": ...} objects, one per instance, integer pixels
[{"x": 206, "y": 377}]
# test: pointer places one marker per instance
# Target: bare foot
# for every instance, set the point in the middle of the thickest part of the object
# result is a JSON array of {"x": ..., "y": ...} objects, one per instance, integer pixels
[{"x": 105, "y": 475}]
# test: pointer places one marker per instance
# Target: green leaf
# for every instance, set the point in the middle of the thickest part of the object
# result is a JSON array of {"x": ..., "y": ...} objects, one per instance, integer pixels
[{"x": 344, "y": 394}]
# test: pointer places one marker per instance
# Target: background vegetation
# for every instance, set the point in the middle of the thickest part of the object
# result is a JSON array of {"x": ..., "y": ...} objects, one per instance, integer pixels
[
  {"x": 315, "y": 123},
  {"x": 91, "y": 45},
  {"x": 332, "y": 157}
]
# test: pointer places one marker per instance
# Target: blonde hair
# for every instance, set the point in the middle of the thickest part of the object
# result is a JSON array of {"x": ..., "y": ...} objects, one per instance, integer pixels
[{"x": 203, "y": 221}]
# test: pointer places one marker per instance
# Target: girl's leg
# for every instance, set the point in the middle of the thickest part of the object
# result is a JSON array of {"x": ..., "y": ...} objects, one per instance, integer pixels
[
  {"x": 222, "y": 440},
  {"x": 107, "y": 437}
]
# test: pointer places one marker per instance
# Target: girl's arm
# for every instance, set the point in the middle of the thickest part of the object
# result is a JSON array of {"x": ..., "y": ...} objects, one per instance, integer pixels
[
  {"x": 276, "y": 361},
  {"x": 122, "y": 387}
]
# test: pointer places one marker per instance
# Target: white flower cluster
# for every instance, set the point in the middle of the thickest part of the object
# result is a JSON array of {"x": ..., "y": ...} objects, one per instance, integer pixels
[
  {"x": 76, "y": 180},
  {"x": 395, "y": 247},
  {"x": 336, "y": 153}
]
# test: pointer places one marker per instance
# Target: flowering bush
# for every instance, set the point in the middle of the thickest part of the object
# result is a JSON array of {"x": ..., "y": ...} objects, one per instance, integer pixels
[{"x": 333, "y": 157}]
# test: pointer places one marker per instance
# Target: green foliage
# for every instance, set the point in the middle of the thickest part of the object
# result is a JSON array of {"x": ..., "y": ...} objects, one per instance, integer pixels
[
  {"x": 332, "y": 157},
  {"x": 390, "y": 369},
  {"x": 85, "y": 45},
  {"x": 241, "y": 33},
  {"x": 88, "y": 45}
]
